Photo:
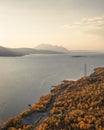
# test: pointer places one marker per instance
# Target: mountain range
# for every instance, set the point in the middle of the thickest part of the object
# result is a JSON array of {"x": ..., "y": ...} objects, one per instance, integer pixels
[
  {"x": 45, "y": 49},
  {"x": 41, "y": 49}
]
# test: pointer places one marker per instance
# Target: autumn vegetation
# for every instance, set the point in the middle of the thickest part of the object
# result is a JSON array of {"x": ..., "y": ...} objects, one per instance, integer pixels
[
  {"x": 16, "y": 122},
  {"x": 80, "y": 106}
]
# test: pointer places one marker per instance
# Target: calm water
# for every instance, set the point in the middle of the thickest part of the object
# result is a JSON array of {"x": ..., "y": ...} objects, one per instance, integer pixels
[{"x": 24, "y": 79}]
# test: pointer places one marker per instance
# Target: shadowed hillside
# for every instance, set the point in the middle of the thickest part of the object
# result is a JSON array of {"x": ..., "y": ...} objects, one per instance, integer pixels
[
  {"x": 8, "y": 52},
  {"x": 72, "y": 105}
]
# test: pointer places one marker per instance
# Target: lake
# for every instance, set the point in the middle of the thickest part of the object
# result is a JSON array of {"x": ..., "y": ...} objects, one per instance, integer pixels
[{"x": 24, "y": 79}]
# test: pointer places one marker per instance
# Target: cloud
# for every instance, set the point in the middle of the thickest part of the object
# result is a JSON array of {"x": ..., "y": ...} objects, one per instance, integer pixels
[
  {"x": 93, "y": 25},
  {"x": 96, "y": 22}
]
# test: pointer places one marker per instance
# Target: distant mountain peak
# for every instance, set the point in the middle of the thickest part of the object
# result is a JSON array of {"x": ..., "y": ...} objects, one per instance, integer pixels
[{"x": 52, "y": 48}]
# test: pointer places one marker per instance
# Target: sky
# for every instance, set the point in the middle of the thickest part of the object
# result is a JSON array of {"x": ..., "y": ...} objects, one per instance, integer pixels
[{"x": 74, "y": 24}]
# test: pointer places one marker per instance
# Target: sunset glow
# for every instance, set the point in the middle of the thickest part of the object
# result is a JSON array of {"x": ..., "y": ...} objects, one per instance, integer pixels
[{"x": 74, "y": 24}]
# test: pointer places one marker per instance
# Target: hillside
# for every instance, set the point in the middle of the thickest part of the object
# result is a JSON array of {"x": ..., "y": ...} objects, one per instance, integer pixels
[
  {"x": 8, "y": 52},
  {"x": 72, "y": 105}
]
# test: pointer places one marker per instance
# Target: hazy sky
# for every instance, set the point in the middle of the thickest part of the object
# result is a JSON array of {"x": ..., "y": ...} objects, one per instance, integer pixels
[{"x": 74, "y": 24}]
